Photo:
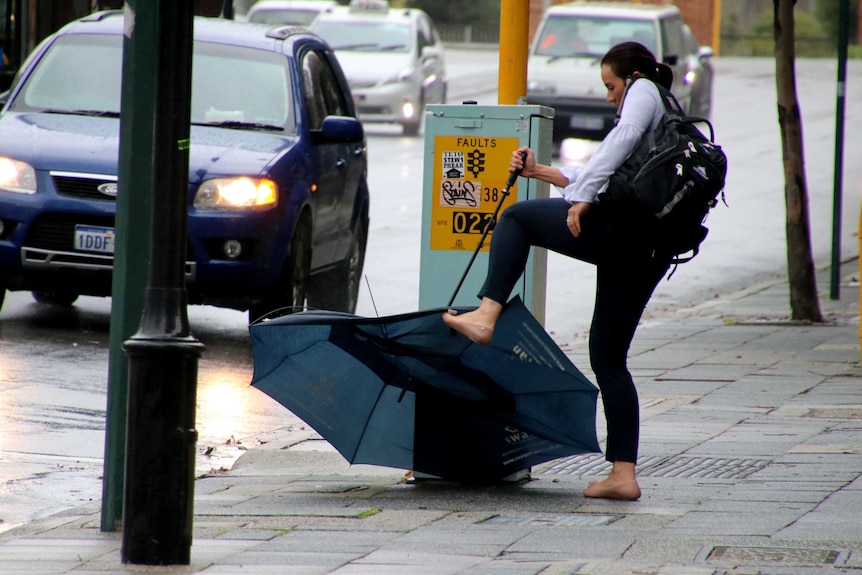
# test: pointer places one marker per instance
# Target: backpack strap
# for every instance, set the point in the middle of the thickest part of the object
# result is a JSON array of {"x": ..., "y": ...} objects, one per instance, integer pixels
[{"x": 671, "y": 105}]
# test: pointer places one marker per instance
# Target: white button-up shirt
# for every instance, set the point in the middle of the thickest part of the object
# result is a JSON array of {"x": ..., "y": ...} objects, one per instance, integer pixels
[{"x": 641, "y": 113}]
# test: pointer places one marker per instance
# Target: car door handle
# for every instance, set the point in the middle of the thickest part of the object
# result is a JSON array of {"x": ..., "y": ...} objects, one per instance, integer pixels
[
  {"x": 340, "y": 163},
  {"x": 358, "y": 152}
]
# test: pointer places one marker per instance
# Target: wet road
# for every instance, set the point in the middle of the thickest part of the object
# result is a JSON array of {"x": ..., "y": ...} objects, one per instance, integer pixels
[{"x": 53, "y": 363}]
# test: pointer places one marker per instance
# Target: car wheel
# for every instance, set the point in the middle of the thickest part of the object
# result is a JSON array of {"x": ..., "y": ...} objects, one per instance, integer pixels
[
  {"x": 338, "y": 290},
  {"x": 411, "y": 129},
  {"x": 61, "y": 298},
  {"x": 292, "y": 289}
]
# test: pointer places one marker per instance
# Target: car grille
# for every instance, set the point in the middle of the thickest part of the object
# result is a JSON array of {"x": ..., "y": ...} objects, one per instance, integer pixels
[
  {"x": 82, "y": 186},
  {"x": 374, "y": 110},
  {"x": 51, "y": 243},
  {"x": 57, "y": 231}
]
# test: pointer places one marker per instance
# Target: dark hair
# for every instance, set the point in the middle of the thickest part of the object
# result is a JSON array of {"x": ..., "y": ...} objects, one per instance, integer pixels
[{"x": 626, "y": 58}]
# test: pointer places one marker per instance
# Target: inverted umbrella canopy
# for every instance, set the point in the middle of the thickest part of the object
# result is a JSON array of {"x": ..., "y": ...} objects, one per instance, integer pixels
[{"x": 408, "y": 392}]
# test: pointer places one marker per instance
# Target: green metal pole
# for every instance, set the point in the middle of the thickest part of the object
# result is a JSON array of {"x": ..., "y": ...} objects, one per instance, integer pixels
[
  {"x": 134, "y": 209},
  {"x": 161, "y": 438},
  {"x": 843, "y": 24}
]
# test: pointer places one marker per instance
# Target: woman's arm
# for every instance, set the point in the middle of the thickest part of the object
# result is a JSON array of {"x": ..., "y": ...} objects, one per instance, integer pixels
[
  {"x": 531, "y": 169},
  {"x": 641, "y": 111}
]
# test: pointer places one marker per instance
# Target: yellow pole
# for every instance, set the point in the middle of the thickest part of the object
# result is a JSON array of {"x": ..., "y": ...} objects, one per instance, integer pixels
[
  {"x": 716, "y": 26},
  {"x": 514, "y": 38}
]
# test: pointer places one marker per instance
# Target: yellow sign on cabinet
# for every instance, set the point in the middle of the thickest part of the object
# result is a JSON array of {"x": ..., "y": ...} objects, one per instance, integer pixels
[{"x": 470, "y": 174}]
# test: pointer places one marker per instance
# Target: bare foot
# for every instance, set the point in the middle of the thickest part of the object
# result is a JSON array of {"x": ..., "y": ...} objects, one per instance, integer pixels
[
  {"x": 626, "y": 490},
  {"x": 471, "y": 324}
]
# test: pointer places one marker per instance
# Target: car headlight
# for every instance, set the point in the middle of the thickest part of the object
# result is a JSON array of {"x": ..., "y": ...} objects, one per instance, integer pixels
[
  {"x": 402, "y": 76},
  {"x": 236, "y": 194},
  {"x": 17, "y": 177},
  {"x": 690, "y": 77}
]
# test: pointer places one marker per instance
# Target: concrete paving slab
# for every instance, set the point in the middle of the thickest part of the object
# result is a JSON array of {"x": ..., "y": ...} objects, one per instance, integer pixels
[
  {"x": 393, "y": 569},
  {"x": 723, "y": 523},
  {"x": 347, "y": 541},
  {"x": 253, "y": 557},
  {"x": 445, "y": 563},
  {"x": 508, "y": 567},
  {"x": 265, "y": 570},
  {"x": 25, "y": 566},
  {"x": 570, "y": 544}
]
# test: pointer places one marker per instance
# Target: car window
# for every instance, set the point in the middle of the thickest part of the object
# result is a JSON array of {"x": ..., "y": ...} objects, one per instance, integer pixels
[
  {"x": 234, "y": 83},
  {"x": 690, "y": 43},
  {"x": 296, "y": 16},
  {"x": 581, "y": 35},
  {"x": 423, "y": 28},
  {"x": 323, "y": 94},
  {"x": 366, "y": 36},
  {"x": 82, "y": 72},
  {"x": 78, "y": 72},
  {"x": 671, "y": 32}
]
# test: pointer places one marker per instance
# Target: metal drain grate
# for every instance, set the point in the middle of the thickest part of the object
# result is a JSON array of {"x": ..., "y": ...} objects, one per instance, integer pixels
[
  {"x": 553, "y": 519},
  {"x": 754, "y": 555},
  {"x": 699, "y": 467},
  {"x": 707, "y": 467},
  {"x": 592, "y": 464}
]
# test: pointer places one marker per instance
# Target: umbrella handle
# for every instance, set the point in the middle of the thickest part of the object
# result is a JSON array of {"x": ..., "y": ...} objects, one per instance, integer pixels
[{"x": 503, "y": 195}]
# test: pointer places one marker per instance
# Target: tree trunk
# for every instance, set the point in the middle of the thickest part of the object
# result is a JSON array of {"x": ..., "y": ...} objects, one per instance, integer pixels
[{"x": 804, "y": 303}]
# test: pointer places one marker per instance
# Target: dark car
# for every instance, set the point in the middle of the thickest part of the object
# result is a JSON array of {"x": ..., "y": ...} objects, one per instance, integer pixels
[{"x": 277, "y": 200}]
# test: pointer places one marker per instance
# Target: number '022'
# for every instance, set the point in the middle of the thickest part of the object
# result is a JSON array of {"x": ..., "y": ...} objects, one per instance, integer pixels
[{"x": 470, "y": 222}]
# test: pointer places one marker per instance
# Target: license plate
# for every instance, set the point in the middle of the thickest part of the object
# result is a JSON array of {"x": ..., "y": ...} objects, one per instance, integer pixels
[
  {"x": 587, "y": 121},
  {"x": 94, "y": 239}
]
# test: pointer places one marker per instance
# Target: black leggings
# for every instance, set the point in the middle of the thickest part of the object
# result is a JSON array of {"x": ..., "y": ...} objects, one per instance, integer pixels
[{"x": 627, "y": 273}]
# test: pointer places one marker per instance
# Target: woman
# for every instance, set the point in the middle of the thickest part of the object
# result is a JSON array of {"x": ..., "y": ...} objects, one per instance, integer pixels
[{"x": 583, "y": 226}]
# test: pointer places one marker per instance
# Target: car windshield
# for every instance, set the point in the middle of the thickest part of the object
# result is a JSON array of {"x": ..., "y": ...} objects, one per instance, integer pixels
[
  {"x": 365, "y": 36},
  {"x": 564, "y": 36},
  {"x": 82, "y": 74},
  {"x": 274, "y": 16}
]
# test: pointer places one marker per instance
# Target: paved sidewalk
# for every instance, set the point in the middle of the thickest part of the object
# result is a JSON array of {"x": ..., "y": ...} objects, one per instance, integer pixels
[{"x": 751, "y": 463}]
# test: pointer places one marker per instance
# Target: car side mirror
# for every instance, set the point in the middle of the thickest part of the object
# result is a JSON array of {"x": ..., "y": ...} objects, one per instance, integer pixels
[
  {"x": 705, "y": 52},
  {"x": 339, "y": 129},
  {"x": 430, "y": 52}
]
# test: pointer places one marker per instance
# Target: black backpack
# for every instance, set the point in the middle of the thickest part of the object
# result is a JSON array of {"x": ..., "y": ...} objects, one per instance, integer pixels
[{"x": 673, "y": 178}]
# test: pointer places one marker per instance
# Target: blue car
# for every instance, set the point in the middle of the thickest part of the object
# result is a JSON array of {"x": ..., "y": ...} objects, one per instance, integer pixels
[{"x": 278, "y": 196}]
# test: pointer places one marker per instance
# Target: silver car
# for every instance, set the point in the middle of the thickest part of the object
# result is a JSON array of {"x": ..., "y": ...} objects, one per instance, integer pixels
[
  {"x": 393, "y": 59},
  {"x": 296, "y": 12},
  {"x": 698, "y": 75}
]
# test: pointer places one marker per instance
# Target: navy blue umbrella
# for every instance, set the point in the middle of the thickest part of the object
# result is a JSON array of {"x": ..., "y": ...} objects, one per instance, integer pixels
[{"x": 408, "y": 392}]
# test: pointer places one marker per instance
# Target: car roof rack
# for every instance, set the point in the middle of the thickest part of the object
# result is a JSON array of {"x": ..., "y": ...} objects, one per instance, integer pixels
[
  {"x": 369, "y": 6},
  {"x": 282, "y": 32},
  {"x": 99, "y": 16}
]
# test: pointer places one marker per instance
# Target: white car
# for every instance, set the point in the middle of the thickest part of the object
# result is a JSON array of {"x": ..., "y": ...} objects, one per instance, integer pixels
[
  {"x": 563, "y": 69},
  {"x": 287, "y": 12},
  {"x": 698, "y": 75},
  {"x": 393, "y": 59}
]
